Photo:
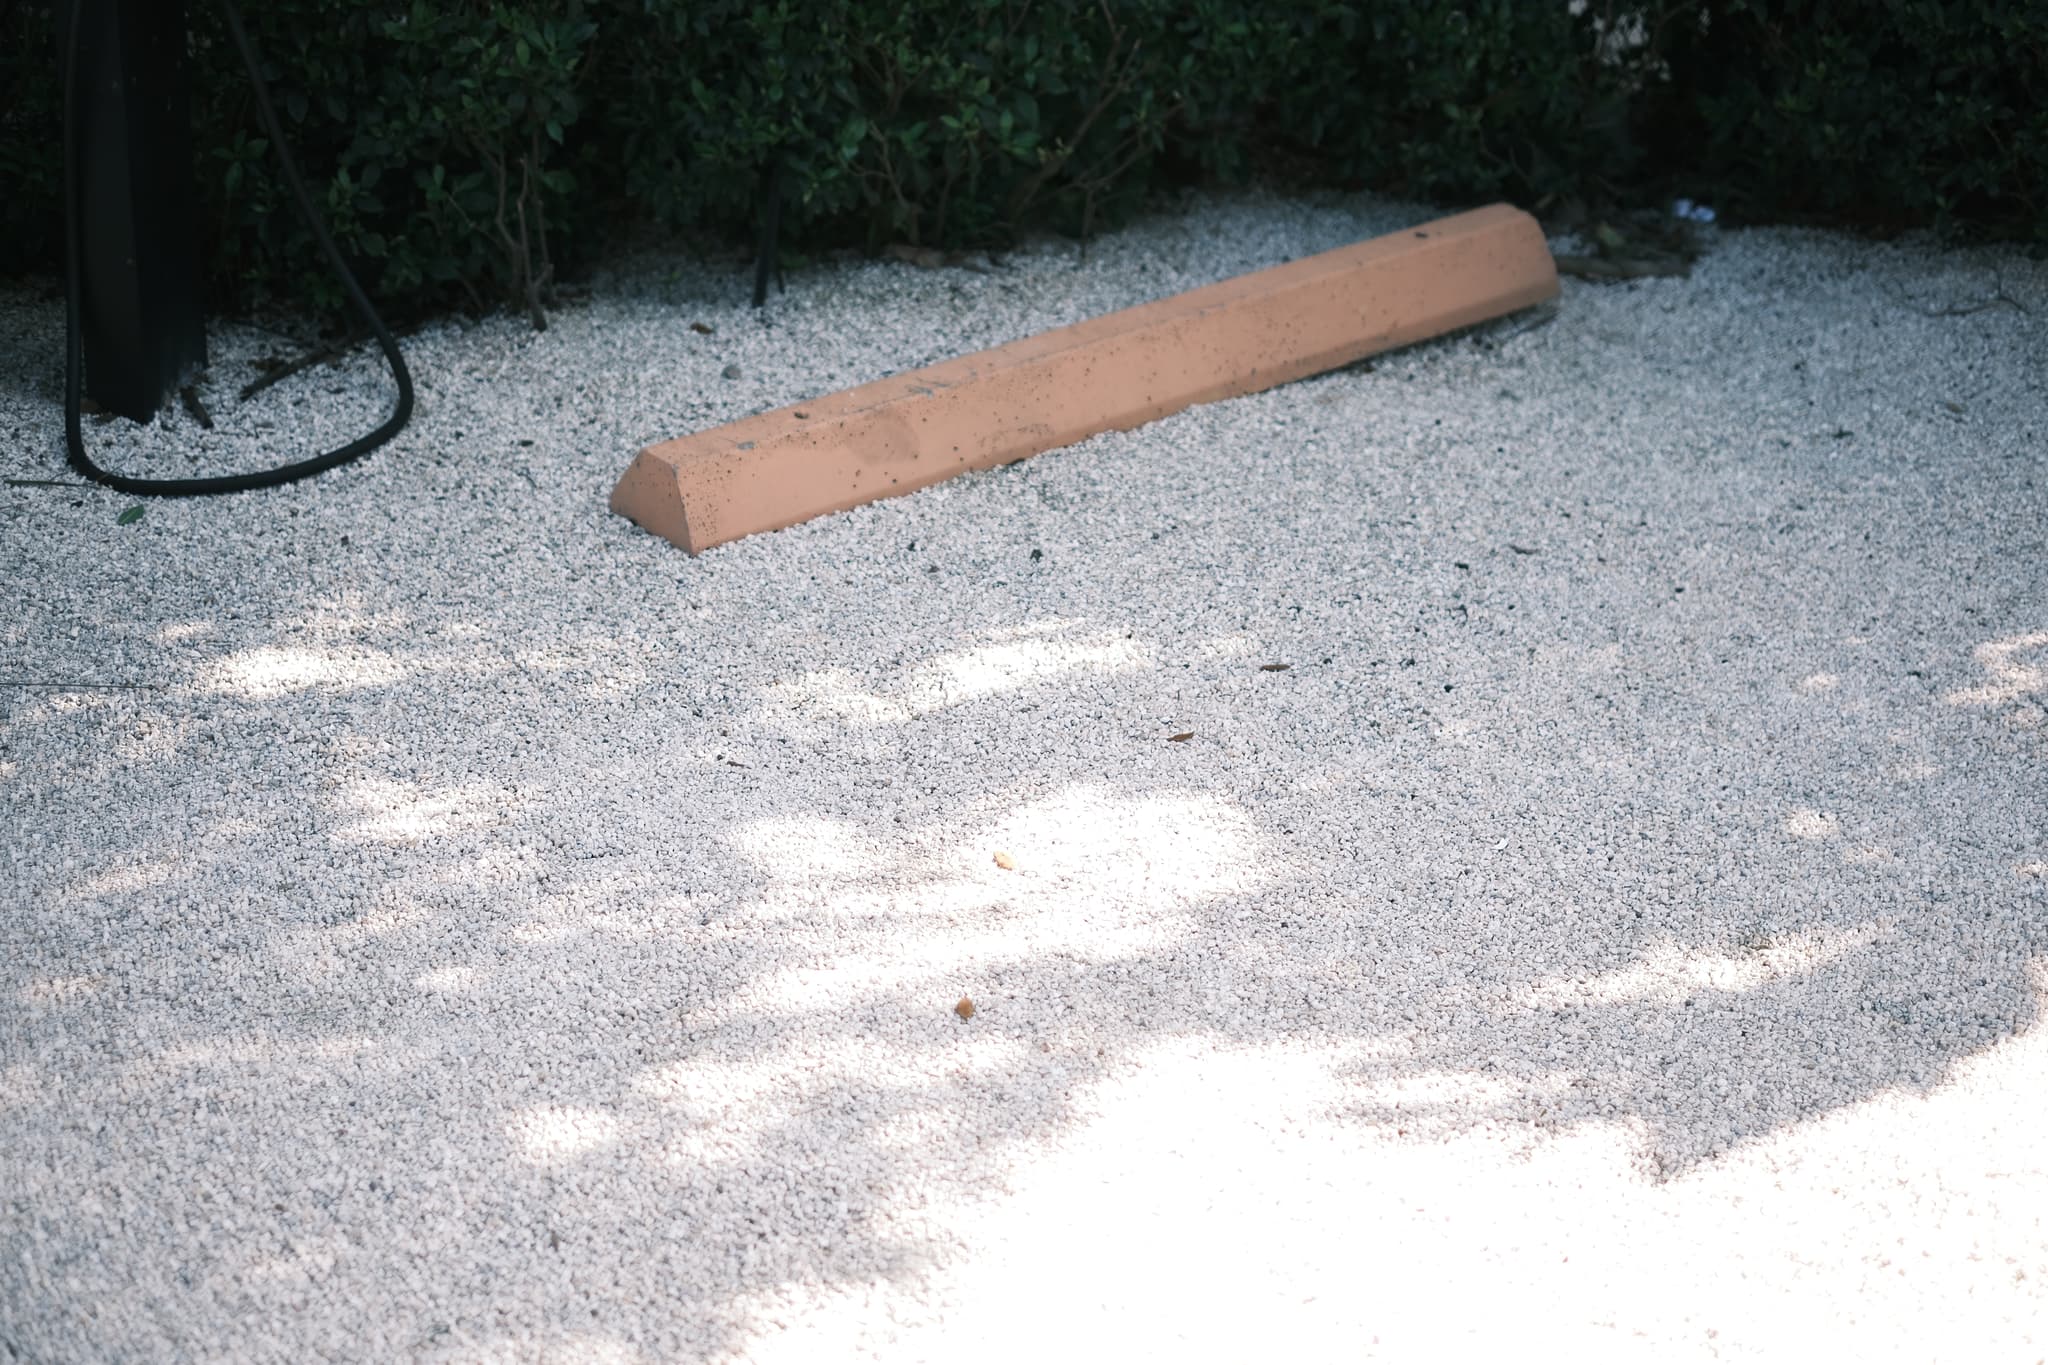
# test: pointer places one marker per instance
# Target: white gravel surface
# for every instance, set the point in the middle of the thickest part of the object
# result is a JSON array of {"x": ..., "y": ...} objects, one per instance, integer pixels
[{"x": 443, "y": 922}]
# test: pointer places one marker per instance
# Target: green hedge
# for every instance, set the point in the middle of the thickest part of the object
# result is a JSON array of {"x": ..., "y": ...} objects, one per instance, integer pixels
[
  {"x": 463, "y": 148},
  {"x": 1884, "y": 113},
  {"x": 31, "y": 132}
]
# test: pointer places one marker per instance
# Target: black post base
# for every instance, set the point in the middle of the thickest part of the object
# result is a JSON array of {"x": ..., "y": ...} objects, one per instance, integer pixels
[{"x": 141, "y": 323}]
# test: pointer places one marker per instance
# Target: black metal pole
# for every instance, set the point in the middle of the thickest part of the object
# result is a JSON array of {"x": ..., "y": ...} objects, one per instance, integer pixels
[
  {"x": 139, "y": 307},
  {"x": 75, "y": 291}
]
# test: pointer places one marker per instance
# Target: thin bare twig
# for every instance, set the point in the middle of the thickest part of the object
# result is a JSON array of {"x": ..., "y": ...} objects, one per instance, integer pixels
[
  {"x": 284, "y": 372},
  {"x": 1999, "y": 299},
  {"x": 320, "y": 355},
  {"x": 193, "y": 407},
  {"x": 1962, "y": 310},
  {"x": 81, "y": 686}
]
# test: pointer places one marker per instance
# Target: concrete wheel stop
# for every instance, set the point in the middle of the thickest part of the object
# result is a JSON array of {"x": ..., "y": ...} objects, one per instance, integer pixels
[{"x": 1110, "y": 373}]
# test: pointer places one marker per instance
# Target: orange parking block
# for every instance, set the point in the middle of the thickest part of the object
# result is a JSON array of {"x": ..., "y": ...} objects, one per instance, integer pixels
[{"x": 1113, "y": 372}]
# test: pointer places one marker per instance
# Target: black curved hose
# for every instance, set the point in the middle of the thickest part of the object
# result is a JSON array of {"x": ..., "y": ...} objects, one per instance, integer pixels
[{"x": 74, "y": 439}]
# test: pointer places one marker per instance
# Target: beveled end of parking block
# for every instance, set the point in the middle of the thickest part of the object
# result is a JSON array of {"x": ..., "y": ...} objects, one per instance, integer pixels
[{"x": 1109, "y": 373}]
